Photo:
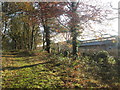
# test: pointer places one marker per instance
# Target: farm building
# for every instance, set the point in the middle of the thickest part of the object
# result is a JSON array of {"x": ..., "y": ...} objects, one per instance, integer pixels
[{"x": 109, "y": 44}]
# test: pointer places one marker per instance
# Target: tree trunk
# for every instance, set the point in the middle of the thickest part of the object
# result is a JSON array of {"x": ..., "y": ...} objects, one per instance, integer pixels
[
  {"x": 47, "y": 36},
  {"x": 32, "y": 38},
  {"x": 15, "y": 45},
  {"x": 74, "y": 43},
  {"x": 43, "y": 40},
  {"x": 73, "y": 30}
]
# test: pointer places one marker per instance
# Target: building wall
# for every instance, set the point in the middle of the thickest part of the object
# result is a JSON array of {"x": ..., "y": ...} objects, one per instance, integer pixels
[{"x": 111, "y": 48}]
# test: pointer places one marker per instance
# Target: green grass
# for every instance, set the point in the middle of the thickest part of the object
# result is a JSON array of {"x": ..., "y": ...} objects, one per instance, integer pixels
[
  {"x": 44, "y": 70},
  {"x": 28, "y": 72}
]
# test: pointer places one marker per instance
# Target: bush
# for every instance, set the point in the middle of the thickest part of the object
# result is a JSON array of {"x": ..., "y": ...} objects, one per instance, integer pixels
[
  {"x": 102, "y": 55},
  {"x": 111, "y": 60}
]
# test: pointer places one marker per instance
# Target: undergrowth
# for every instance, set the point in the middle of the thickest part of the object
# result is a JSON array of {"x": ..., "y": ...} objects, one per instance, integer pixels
[{"x": 42, "y": 70}]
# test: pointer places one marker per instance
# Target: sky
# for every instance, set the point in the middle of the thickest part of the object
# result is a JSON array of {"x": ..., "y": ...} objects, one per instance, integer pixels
[
  {"x": 109, "y": 27},
  {"x": 114, "y": 23}
]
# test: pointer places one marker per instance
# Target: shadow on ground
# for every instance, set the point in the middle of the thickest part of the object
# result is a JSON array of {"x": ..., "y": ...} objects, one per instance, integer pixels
[{"x": 15, "y": 68}]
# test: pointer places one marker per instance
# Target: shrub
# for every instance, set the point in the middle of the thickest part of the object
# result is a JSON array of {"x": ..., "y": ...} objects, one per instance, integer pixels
[
  {"x": 111, "y": 60},
  {"x": 102, "y": 55}
]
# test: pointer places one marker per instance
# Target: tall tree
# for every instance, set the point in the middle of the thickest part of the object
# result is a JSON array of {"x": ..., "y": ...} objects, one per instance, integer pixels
[
  {"x": 48, "y": 11},
  {"x": 22, "y": 25},
  {"x": 77, "y": 16},
  {"x": 74, "y": 23}
]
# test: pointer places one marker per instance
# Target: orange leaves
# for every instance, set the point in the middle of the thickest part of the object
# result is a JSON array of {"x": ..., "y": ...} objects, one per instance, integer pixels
[
  {"x": 50, "y": 9},
  {"x": 75, "y": 73},
  {"x": 77, "y": 66},
  {"x": 57, "y": 30},
  {"x": 24, "y": 6},
  {"x": 68, "y": 69},
  {"x": 69, "y": 85},
  {"x": 99, "y": 38},
  {"x": 28, "y": 6}
]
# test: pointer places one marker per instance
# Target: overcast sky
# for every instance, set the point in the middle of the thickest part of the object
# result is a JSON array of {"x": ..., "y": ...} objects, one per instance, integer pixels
[
  {"x": 114, "y": 23},
  {"x": 108, "y": 27}
]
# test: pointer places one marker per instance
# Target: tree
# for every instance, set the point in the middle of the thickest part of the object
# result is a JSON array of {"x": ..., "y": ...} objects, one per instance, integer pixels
[
  {"x": 47, "y": 12},
  {"x": 77, "y": 15},
  {"x": 23, "y": 25},
  {"x": 73, "y": 24}
]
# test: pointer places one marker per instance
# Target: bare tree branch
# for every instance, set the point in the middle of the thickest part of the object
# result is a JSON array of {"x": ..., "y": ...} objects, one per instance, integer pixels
[
  {"x": 62, "y": 24},
  {"x": 114, "y": 8}
]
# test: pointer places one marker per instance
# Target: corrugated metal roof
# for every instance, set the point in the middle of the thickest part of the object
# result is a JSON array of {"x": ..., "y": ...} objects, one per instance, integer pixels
[{"x": 97, "y": 43}]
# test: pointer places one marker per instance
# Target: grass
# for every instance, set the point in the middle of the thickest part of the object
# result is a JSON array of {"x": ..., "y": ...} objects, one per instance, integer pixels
[
  {"x": 43, "y": 70},
  {"x": 28, "y": 72}
]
